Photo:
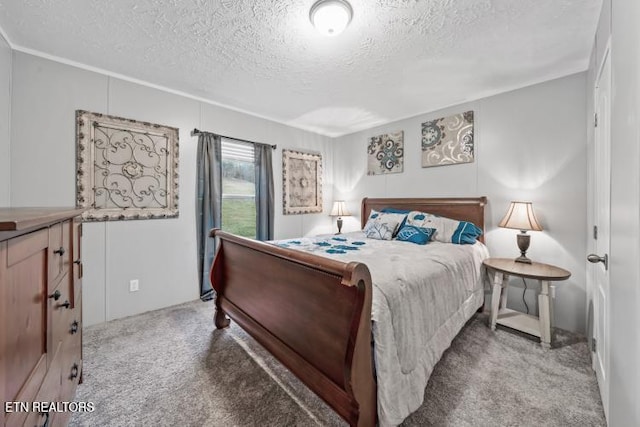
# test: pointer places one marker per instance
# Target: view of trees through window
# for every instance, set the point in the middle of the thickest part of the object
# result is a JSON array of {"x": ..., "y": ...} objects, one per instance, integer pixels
[{"x": 238, "y": 189}]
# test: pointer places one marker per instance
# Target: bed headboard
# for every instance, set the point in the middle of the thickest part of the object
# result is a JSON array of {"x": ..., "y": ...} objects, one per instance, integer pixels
[{"x": 461, "y": 208}]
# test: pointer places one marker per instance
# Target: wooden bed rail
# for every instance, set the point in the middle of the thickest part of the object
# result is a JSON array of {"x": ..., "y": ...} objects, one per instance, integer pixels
[{"x": 312, "y": 313}]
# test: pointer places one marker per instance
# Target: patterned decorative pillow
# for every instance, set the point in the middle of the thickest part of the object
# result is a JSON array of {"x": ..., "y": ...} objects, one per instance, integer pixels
[
  {"x": 413, "y": 234},
  {"x": 404, "y": 212},
  {"x": 382, "y": 226},
  {"x": 447, "y": 230}
]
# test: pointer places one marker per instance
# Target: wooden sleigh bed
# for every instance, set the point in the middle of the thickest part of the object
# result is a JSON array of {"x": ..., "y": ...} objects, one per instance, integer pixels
[{"x": 314, "y": 313}]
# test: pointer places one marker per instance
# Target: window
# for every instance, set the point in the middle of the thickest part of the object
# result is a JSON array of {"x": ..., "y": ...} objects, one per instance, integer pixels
[{"x": 238, "y": 188}]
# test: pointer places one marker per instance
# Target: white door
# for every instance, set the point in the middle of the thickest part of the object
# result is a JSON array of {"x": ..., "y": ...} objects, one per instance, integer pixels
[{"x": 602, "y": 212}]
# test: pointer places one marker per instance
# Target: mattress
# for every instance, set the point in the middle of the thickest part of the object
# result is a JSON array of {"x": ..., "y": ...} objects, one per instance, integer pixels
[{"x": 422, "y": 296}]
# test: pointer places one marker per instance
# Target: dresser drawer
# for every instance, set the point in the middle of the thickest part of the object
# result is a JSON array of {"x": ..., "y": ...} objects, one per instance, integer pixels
[
  {"x": 61, "y": 311},
  {"x": 72, "y": 348},
  {"x": 71, "y": 362},
  {"x": 59, "y": 251},
  {"x": 71, "y": 373},
  {"x": 77, "y": 261}
]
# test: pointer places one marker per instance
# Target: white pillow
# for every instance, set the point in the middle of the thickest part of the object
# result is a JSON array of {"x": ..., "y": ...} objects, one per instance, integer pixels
[
  {"x": 382, "y": 226},
  {"x": 447, "y": 230}
]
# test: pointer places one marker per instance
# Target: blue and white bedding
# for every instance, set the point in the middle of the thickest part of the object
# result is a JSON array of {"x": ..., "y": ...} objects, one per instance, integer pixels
[{"x": 422, "y": 296}]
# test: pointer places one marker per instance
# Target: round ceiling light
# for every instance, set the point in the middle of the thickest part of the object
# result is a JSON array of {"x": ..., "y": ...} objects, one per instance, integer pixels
[{"x": 331, "y": 17}]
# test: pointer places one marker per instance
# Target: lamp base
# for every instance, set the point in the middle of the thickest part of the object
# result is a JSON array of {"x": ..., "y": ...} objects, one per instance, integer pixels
[
  {"x": 339, "y": 226},
  {"x": 523, "y": 259},
  {"x": 523, "y": 240}
]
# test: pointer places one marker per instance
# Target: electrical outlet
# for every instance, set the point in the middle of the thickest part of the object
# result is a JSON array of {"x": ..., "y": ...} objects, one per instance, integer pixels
[{"x": 134, "y": 285}]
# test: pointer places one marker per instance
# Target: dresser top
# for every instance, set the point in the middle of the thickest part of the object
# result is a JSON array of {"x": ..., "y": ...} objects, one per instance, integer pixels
[{"x": 17, "y": 219}]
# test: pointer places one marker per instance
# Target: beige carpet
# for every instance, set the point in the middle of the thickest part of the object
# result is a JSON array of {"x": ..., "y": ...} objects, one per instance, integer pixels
[{"x": 171, "y": 367}]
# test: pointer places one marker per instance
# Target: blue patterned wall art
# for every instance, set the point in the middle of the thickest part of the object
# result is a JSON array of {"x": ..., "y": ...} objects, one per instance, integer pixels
[
  {"x": 386, "y": 154},
  {"x": 448, "y": 140}
]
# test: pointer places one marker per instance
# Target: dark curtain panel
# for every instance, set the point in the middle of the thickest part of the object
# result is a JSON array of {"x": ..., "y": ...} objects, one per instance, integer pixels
[
  {"x": 264, "y": 192},
  {"x": 209, "y": 205}
]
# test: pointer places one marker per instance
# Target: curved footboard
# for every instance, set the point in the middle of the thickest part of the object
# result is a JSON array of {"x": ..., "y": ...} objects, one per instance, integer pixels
[{"x": 310, "y": 312}]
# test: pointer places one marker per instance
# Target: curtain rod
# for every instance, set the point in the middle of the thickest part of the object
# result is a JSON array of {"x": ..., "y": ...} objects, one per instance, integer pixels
[{"x": 195, "y": 132}]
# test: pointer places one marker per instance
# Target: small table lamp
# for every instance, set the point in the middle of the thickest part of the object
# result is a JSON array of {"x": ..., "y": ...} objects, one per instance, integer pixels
[
  {"x": 339, "y": 210},
  {"x": 520, "y": 216}
]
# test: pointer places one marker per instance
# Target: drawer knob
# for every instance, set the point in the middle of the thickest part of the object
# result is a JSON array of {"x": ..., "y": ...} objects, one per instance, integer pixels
[
  {"x": 77, "y": 262},
  {"x": 65, "y": 304},
  {"x": 56, "y": 295},
  {"x": 74, "y": 327},
  {"x": 74, "y": 371},
  {"x": 60, "y": 251}
]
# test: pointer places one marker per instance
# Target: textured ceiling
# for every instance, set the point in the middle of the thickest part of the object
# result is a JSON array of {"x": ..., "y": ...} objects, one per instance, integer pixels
[{"x": 397, "y": 58}]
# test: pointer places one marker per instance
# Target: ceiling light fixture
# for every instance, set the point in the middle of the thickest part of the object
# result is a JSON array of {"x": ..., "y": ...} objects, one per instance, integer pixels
[{"x": 331, "y": 17}]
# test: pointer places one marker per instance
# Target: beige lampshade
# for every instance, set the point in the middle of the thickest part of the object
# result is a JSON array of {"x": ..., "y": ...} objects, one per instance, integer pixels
[
  {"x": 339, "y": 209},
  {"x": 520, "y": 216}
]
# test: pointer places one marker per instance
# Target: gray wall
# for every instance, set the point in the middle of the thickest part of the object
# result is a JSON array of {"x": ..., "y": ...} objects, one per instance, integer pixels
[
  {"x": 618, "y": 23},
  {"x": 530, "y": 145},
  {"x": 160, "y": 253},
  {"x": 5, "y": 122},
  {"x": 515, "y": 159}
]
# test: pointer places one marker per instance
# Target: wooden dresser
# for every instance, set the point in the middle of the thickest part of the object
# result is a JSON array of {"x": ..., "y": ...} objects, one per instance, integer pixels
[{"x": 40, "y": 312}]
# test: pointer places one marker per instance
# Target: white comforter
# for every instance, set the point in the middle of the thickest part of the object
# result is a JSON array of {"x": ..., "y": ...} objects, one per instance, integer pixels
[{"x": 422, "y": 296}]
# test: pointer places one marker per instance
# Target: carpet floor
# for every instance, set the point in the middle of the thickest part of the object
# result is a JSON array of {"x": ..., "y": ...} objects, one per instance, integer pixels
[{"x": 171, "y": 367}]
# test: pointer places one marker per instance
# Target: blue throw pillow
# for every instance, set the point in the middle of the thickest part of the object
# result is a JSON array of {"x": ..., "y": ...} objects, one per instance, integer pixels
[
  {"x": 413, "y": 234},
  {"x": 394, "y": 210},
  {"x": 466, "y": 233}
]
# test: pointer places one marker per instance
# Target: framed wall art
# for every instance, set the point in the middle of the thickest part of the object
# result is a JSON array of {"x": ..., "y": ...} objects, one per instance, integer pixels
[
  {"x": 386, "y": 154},
  {"x": 448, "y": 140},
  {"x": 126, "y": 169},
  {"x": 301, "y": 182}
]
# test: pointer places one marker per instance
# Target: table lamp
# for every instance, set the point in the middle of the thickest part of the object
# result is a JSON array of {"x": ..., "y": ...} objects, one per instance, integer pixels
[
  {"x": 339, "y": 210},
  {"x": 520, "y": 216}
]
